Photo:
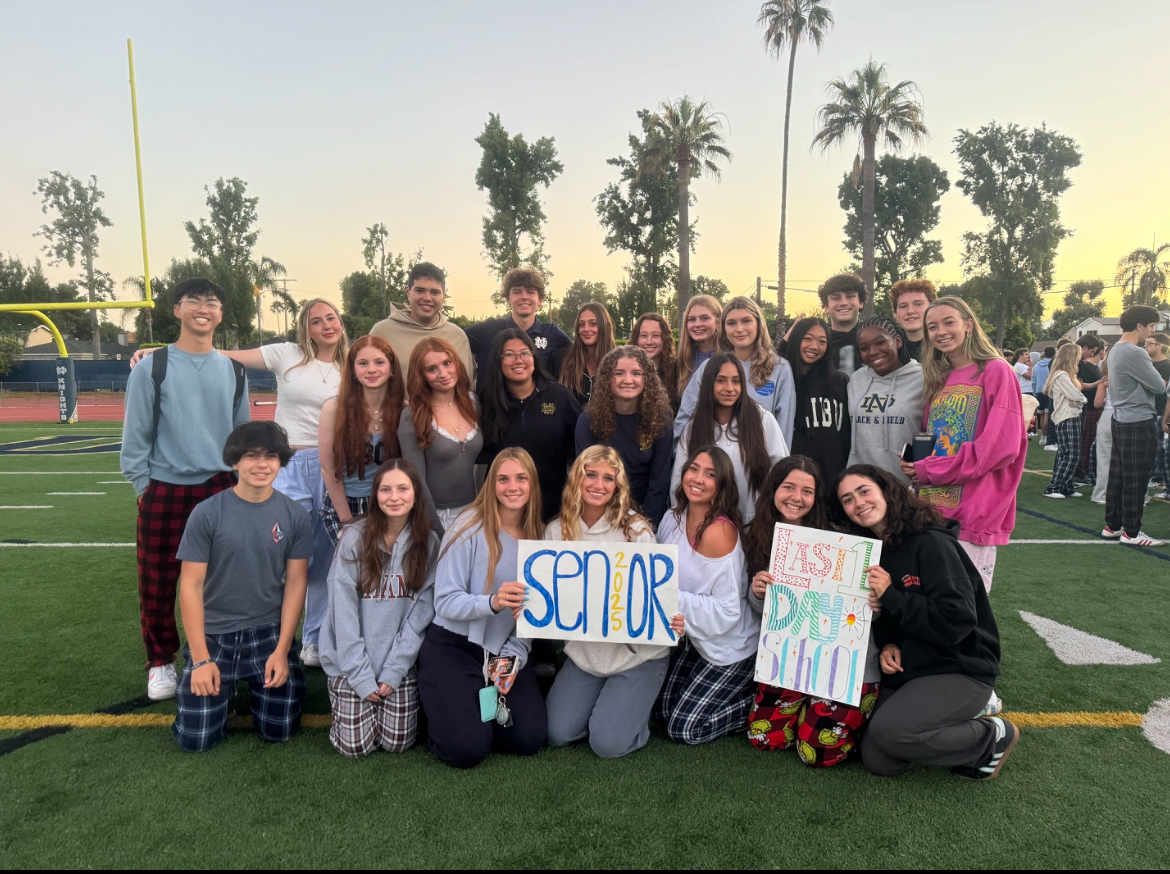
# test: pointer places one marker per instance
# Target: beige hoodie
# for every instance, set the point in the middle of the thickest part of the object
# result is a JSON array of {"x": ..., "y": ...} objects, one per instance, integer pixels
[{"x": 403, "y": 332}]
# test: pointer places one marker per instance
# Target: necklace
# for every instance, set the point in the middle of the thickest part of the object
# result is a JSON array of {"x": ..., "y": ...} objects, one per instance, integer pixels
[
  {"x": 376, "y": 417},
  {"x": 324, "y": 374}
]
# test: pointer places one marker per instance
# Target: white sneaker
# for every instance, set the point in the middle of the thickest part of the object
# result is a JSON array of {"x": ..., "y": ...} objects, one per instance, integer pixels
[
  {"x": 1056, "y": 495},
  {"x": 1109, "y": 534},
  {"x": 993, "y": 707},
  {"x": 1075, "y": 495},
  {"x": 1095, "y": 501},
  {"x": 1142, "y": 539},
  {"x": 161, "y": 682},
  {"x": 309, "y": 656},
  {"x": 1051, "y": 447}
]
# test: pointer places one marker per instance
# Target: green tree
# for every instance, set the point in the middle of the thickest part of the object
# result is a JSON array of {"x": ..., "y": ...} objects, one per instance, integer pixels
[
  {"x": 10, "y": 351},
  {"x": 870, "y": 107},
  {"x": 788, "y": 23},
  {"x": 633, "y": 296},
  {"x": 73, "y": 235},
  {"x": 282, "y": 302},
  {"x": 21, "y": 284},
  {"x": 511, "y": 171},
  {"x": 906, "y": 208},
  {"x": 144, "y": 319},
  {"x": 1083, "y": 300},
  {"x": 577, "y": 295},
  {"x": 1146, "y": 277},
  {"x": 1015, "y": 177},
  {"x": 264, "y": 278},
  {"x": 684, "y": 137},
  {"x": 374, "y": 252},
  {"x": 717, "y": 288}
]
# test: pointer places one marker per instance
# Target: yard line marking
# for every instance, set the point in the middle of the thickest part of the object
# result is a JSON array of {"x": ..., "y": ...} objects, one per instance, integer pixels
[
  {"x": 1156, "y": 725},
  {"x": 115, "y": 482},
  {"x": 59, "y": 472},
  {"x": 74, "y": 493},
  {"x": 1082, "y": 530},
  {"x": 65, "y": 544},
  {"x": 1075, "y": 647},
  {"x": 1076, "y": 720},
  {"x": 27, "y": 507},
  {"x": 1085, "y": 542}
]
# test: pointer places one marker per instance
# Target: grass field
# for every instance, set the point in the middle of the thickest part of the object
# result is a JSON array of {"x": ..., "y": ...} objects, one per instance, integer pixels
[{"x": 1087, "y": 796}]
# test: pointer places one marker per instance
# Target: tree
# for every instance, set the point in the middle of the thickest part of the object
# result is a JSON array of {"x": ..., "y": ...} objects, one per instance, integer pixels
[
  {"x": 633, "y": 296},
  {"x": 1015, "y": 177},
  {"x": 282, "y": 302},
  {"x": 74, "y": 234},
  {"x": 684, "y": 137},
  {"x": 1146, "y": 277},
  {"x": 374, "y": 251},
  {"x": 906, "y": 208},
  {"x": 981, "y": 293},
  {"x": 786, "y": 24},
  {"x": 577, "y": 295},
  {"x": 264, "y": 273},
  {"x": 510, "y": 171},
  {"x": 10, "y": 351},
  {"x": 717, "y": 288},
  {"x": 361, "y": 292},
  {"x": 20, "y": 284},
  {"x": 1083, "y": 300},
  {"x": 871, "y": 107}
]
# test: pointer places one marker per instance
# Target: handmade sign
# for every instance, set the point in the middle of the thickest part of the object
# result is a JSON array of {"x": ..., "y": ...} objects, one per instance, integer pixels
[
  {"x": 814, "y": 636},
  {"x": 613, "y": 592}
]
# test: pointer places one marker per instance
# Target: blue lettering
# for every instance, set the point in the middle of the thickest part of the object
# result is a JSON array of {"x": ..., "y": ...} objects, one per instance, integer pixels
[
  {"x": 530, "y": 580},
  {"x": 636, "y": 629},
  {"x": 585, "y": 592},
  {"x": 557, "y": 577},
  {"x": 655, "y": 582}
]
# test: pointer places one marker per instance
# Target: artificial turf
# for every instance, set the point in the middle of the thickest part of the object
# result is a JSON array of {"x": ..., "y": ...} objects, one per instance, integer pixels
[{"x": 127, "y": 797}]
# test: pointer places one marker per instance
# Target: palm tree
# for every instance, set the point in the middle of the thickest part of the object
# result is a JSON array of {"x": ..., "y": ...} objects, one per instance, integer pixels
[
  {"x": 684, "y": 136},
  {"x": 870, "y": 106},
  {"x": 264, "y": 273},
  {"x": 1142, "y": 271},
  {"x": 787, "y": 23},
  {"x": 283, "y": 302}
]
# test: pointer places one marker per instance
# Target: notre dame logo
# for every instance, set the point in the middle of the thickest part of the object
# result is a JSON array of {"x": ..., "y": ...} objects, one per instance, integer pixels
[
  {"x": 876, "y": 401},
  {"x": 548, "y": 409},
  {"x": 541, "y": 342}
]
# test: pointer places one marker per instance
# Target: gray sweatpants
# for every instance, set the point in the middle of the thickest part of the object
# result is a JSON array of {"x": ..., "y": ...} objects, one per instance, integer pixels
[
  {"x": 613, "y": 711},
  {"x": 929, "y": 721}
]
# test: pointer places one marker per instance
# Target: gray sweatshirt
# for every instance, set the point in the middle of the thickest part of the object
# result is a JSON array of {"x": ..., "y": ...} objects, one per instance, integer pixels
[
  {"x": 195, "y": 419},
  {"x": 375, "y": 638},
  {"x": 1134, "y": 382},
  {"x": 885, "y": 413},
  {"x": 461, "y": 604}
]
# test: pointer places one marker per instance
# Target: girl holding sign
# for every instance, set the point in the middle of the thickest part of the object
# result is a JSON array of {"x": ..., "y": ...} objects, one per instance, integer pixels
[
  {"x": 938, "y": 639},
  {"x": 823, "y": 732},
  {"x": 604, "y": 690},
  {"x": 709, "y": 687},
  {"x": 476, "y": 601}
]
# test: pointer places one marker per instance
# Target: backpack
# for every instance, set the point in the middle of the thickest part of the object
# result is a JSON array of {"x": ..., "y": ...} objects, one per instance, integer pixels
[{"x": 158, "y": 372}]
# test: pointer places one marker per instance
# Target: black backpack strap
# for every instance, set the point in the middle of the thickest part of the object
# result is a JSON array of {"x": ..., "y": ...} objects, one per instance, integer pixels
[
  {"x": 158, "y": 372},
  {"x": 241, "y": 381}
]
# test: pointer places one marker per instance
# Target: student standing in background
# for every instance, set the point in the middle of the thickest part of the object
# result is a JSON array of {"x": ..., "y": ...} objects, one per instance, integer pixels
[
  {"x": 1064, "y": 389},
  {"x": 1157, "y": 346},
  {"x": 699, "y": 339},
  {"x": 524, "y": 294},
  {"x": 1091, "y": 349},
  {"x": 910, "y": 298},
  {"x": 651, "y": 334},
  {"x": 592, "y": 341}
]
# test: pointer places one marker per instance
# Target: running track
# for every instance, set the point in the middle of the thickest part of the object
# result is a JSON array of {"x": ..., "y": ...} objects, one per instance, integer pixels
[{"x": 14, "y": 410}]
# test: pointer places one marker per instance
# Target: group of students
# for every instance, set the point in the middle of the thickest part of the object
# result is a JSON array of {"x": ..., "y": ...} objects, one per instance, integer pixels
[
  {"x": 1103, "y": 411},
  {"x": 362, "y": 502}
]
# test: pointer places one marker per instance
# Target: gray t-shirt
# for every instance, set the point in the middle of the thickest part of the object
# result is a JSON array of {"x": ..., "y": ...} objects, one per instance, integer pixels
[{"x": 245, "y": 547}]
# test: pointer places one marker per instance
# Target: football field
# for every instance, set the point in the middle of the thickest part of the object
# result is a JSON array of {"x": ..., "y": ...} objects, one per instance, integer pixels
[{"x": 90, "y": 776}]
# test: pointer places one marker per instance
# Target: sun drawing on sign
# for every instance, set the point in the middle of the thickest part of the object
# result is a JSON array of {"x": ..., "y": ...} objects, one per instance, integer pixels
[{"x": 854, "y": 623}]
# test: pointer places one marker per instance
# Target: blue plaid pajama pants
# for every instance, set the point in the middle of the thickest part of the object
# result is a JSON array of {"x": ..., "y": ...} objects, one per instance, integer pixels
[
  {"x": 1064, "y": 466},
  {"x": 701, "y": 702},
  {"x": 201, "y": 721}
]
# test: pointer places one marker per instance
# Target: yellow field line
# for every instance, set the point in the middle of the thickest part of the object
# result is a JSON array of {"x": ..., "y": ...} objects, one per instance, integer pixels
[{"x": 324, "y": 720}]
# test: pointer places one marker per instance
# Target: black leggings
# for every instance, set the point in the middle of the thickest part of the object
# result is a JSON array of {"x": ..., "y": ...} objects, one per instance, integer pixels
[{"x": 450, "y": 675}]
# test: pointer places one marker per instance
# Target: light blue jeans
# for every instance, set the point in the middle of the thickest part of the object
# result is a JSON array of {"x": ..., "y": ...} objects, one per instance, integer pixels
[{"x": 300, "y": 479}]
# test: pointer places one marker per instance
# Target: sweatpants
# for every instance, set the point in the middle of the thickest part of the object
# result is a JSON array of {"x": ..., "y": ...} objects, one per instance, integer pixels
[
  {"x": 1064, "y": 466},
  {"x": 300, "y": 480},
  {"x": 1104, "y": 450},
  {"x": 983, "y": 557},
  {"x": 163, "y": 511},
  {"x": 613, "y": 711},
  {"x": 450, "y": 675},
  {"x": 929, "y": 721},
  {"x": 201, "y": 720},
  {"x": 1130, "y": 465},
  {"x": 702, "y": 702}
]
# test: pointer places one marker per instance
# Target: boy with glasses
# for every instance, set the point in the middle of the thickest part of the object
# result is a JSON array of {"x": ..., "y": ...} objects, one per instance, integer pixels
[
  {"x": 524, "y": 293},
  {"x": 179, "y": 413}
]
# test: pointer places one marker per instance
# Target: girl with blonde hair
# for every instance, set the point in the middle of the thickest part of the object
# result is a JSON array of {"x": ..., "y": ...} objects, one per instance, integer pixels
[
  {"x": 699, "y": 338},
  {"x": 1067, "y": 398},
  {"x": 604, "y": 690},
  {"x": 975, "y": 412},
  {"x": 477, "y": 600},
  {"x": 592, "y": 341}
]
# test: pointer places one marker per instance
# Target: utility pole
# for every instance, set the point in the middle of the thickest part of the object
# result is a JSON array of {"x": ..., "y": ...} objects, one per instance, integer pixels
[
  {"x": 758, "y": 286},
  {"x": 286, "y": 312}
]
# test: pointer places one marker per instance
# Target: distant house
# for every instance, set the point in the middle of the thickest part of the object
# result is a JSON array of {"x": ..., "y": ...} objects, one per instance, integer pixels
[
  {"x": 81, "y": 350},
  {"x": 1107, "y": 328}
]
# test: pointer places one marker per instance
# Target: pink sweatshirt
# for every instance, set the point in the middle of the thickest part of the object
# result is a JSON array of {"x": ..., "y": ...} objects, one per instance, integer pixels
[{"x": 978, "y": 461}]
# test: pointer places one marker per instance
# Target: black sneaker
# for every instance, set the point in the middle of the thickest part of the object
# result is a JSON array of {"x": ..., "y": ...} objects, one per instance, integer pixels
[{"x": 1003, "y": 748}]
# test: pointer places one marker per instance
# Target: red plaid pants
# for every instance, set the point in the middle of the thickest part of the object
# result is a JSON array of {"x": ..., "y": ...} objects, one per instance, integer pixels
[{"x": 163, "y": 511}]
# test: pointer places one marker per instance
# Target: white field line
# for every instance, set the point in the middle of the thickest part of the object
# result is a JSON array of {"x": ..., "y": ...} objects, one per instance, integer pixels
[
  {"x": 1083, "y": 542},
  {"x": 114, "y": 482},
  {"x": 59, "y": 472},
  {"x": 26, "y": 507},
  {"x": 74, "y": 493},
  {"x": 23, "y": 545}
]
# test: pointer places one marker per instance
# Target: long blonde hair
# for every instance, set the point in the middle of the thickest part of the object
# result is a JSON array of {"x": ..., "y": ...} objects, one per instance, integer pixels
[
  {"x": 1066, "y": 360},
  {"x": 764, "y": 355},
  {"x": 936, "y": 367},
  {"x": 619, "y": 513},
  {"x": 308, "y": 347},
  {"x": 485, "y": 511},
  {"x": 686, "y": 346}
]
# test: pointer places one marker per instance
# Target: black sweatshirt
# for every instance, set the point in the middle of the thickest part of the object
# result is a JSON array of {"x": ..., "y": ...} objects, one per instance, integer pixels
[
  {"x": 843, "y": 350},
  {"x": 647, "y": 467},
  {"x": 822, "y": 428},
  {"x": 936, "y": 610},
  {"x": 550, "y": 341},
  {"x": 543, "y": 424}
]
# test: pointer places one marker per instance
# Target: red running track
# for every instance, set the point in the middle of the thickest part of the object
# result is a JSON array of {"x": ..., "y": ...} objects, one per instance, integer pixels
[{"x": 17, "y": 409}]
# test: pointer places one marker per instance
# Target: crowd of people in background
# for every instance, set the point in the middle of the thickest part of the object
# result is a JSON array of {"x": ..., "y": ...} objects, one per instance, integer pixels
[{"x": 388, "y": 499}]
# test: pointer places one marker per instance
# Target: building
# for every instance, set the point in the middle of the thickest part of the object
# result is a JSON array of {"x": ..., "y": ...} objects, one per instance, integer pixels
[{"x": 1108, "y": 328}]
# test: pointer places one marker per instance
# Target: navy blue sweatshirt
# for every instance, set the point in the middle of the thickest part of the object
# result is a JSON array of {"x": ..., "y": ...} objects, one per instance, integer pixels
[
  {"x": 551, "y": 343},
  {"x": 647, "y": 467}
]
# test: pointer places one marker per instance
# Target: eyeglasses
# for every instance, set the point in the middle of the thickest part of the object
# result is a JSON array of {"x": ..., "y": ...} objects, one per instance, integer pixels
[
  {"x": 199, "y": 303},
  {"x": 512, "y": 356}
]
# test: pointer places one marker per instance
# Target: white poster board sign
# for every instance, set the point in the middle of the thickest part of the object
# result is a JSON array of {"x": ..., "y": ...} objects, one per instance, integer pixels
[
  {"x": 607, "y": 592},
  {"x": 814, "y": 635}
]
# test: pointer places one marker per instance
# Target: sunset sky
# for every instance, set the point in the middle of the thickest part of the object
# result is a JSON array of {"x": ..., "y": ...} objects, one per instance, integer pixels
[{"x": 342, "y": 115}]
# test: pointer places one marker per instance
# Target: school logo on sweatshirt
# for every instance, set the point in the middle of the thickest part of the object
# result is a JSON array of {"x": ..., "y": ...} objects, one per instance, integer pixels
[
  {"x": 767, "y": 389},
  {"x": 548, "y": 409},
  {"x": 277, "y": 534},
  {"x": 878, "y": 404},
  {"x": 824, "y": 413},
  {"x": 389, "y": 587},
  {"x": 911, "y": 580},
  {"x": 540, "y": 342}
]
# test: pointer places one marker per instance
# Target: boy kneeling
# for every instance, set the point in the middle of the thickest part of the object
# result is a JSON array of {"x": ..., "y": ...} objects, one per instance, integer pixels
[{"x": 239, "y": 616}]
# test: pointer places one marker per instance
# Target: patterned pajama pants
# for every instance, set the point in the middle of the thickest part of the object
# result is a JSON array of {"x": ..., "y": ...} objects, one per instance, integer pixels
[
  {"x": 1068, "y": 447},
  {"x": 361, "y": 726},
  {"x": 1130, "y": 465},
  {"x": 823, "y": 732},
  {"x": 332, "y": 522},
  {"x": 701, "y": 702}
]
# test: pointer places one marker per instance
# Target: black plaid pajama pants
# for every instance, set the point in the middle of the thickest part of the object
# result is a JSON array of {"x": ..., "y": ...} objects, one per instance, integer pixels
[
  {"x": 1064, "y": 466},
  {"x": 1135, "y": 444},
  {"x": 701, "y": 702},
  {"x": 201, "y": 720},
  {"x": 357, "y": 507},
  {"x": 361, "y": 726}
]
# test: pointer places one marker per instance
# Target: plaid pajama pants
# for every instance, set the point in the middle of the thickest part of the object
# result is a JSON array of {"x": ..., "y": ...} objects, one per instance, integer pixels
[
  {"x": 1064, "y": 466},
  {"x": 360, "y": 726},
  {"x": 1090, "y": 416},
  {"x": 701, "y": 702},
  {"x": 163, "y": 511},
  {"x": 823, "y": 732},
  {"x": 201, "y": 720},
  {"x": 1130, "y": 464},
  {"x": 332, "y": 522}
]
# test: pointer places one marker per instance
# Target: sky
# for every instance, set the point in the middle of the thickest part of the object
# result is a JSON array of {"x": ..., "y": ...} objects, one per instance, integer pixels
[{"x": 339, "y": 116}]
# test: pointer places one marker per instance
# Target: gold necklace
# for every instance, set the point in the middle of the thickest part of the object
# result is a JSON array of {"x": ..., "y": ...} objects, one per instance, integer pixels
[{"x": 376, "y": 417}]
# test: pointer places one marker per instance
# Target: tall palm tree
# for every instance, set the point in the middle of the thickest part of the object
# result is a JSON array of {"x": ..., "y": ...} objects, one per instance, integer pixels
[
  {"x": 264, "y": 273},
  {"x": 871, "y": 107},
  {"x": 1141, "y": 270},
  {"x": 786, "y": 24},
  {"x": 687, "y": 137},
  {"x": 283, "y": 301}
]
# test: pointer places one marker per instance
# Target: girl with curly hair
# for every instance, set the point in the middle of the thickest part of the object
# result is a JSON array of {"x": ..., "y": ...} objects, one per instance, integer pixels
[
  {"x": 629, "y": 411},
  {"x": 651, "y": 333}
]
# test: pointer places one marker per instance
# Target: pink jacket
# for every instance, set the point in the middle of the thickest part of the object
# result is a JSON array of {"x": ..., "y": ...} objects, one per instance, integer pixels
[{"x": 978, "y": 461}]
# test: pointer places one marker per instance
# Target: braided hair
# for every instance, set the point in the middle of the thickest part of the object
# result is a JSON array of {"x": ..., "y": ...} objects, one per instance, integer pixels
[{"x": 893, "y": 329}]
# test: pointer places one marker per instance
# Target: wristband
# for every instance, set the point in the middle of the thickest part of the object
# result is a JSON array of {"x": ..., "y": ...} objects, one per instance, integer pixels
[{"x": 199, "y": 665}]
